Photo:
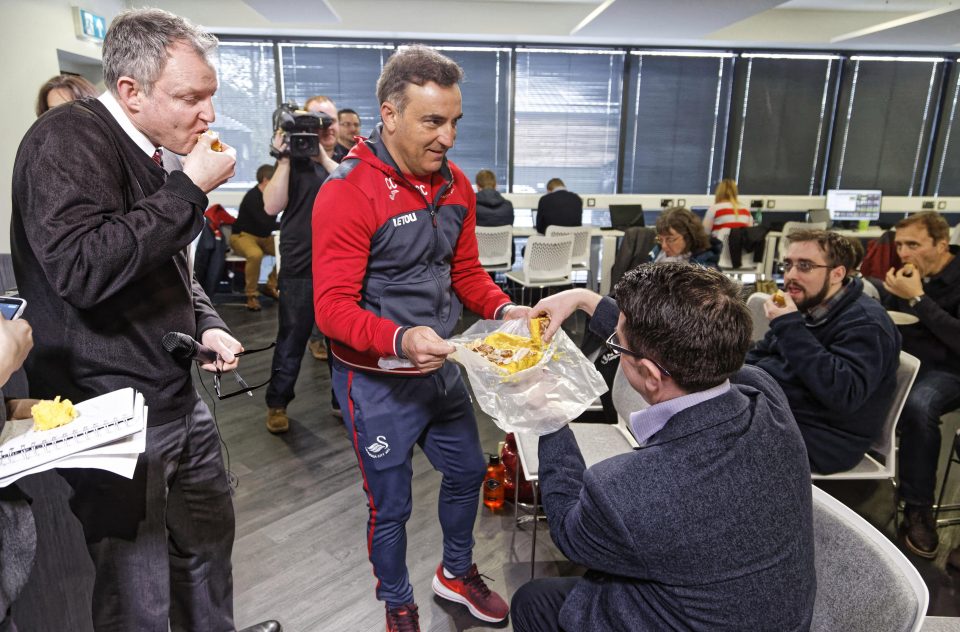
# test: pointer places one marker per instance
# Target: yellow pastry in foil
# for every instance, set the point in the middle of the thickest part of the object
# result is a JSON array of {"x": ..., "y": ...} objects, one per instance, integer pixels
[{"x": 512, "y": 352}]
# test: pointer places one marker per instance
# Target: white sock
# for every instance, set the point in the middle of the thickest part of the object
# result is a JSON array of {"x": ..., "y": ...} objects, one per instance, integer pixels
[{"x": 448, "y": 574}]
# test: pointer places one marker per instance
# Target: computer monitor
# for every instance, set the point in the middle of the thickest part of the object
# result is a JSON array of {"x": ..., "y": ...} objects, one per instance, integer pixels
[
  {"x": 623, "y": 216},
  {"x": 853, "y": 205}
]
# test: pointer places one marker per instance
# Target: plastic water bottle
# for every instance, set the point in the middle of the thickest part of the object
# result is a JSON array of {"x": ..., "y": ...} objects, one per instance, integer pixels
[{"x": 493, "y": 483}]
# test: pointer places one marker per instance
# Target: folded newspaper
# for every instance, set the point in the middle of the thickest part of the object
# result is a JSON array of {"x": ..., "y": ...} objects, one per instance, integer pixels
[
  {"x": 109, "y": 433},
  {"x": 523, "y": 384}
]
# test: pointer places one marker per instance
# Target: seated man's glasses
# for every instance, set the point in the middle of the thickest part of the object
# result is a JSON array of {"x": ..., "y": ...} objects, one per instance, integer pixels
[
  {"x": 244, "y": 387},
  {"x": 613, "y": 343},
  {"x": 803, "y": 265}
]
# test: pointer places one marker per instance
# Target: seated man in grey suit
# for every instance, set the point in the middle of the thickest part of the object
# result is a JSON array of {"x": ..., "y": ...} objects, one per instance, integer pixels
[{"x": 708, "y": 525}]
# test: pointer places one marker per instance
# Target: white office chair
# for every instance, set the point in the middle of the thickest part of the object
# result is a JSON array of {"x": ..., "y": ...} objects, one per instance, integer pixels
[
  {"x": 580, "y": 256},
  {"x": 885, "y": 445},
  {"x": 760, "y": 323},
  {"x": 864, "y": 583},
  {"x": 546, "y": 263},
  {"x": 747, "y": 264},
  {"x": 496, "y": 247}
]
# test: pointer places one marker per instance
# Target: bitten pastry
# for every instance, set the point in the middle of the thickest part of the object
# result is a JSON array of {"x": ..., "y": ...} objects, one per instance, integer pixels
[
  {"x": 778, "y": 299},
  {"x": 908, "y": 269},
  {"x": 215, "y": 144}
]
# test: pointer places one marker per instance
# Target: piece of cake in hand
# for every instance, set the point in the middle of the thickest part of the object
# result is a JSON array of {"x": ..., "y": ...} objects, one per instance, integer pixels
[{"x": 778, "y": 299}]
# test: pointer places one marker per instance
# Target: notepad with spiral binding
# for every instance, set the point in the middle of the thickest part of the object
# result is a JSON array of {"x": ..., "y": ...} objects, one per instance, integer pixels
[{"x": 100, "y": 421}]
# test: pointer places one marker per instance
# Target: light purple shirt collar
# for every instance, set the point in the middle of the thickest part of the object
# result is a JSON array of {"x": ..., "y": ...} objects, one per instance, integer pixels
[{"x": 646, "y": 423}]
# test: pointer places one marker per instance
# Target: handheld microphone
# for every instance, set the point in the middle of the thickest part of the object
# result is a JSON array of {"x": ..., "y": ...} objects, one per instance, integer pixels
[{"x": 183, "y": 347}]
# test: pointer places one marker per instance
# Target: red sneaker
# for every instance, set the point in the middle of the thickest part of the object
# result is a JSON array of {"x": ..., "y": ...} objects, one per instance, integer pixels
[
  {"x": 403, "y": 619},
  {"x": 471, "y": 591}
]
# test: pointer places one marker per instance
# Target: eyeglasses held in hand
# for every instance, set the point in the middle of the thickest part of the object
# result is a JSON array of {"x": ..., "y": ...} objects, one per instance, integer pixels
[
  {"x": 244, "y": 387},
  {"x": 613, "y": 343}
]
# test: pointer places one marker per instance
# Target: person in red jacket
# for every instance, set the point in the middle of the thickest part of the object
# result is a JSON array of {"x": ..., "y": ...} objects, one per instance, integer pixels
[{"x": 394, "y": 260}]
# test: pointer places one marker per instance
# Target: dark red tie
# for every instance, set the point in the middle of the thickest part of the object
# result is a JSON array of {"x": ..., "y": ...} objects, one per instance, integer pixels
[{"x": 158, "y": 157}]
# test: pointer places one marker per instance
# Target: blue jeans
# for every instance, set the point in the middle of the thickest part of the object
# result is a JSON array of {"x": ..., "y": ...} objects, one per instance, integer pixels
[
  {"x": 934, "y": 394},
  {"x": 297, "y": 325},
  {"x": 296, "y": 322}
]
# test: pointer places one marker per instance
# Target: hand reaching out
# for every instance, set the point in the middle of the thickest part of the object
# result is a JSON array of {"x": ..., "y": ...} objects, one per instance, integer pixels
[{"x": 422, "y": 346}]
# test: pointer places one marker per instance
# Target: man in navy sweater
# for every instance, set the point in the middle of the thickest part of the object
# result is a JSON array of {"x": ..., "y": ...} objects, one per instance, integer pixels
[
  {"x": 832, "y": 349},
  {"x": 559, "y": 207},
  {"x": 720, "y": 456}
]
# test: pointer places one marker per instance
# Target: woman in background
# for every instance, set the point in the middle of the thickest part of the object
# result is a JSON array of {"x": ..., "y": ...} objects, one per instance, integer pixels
[
  {"x": 726, "y": 211},
  {"x": 63, "y": 89},
  {"x": 681, "y": 237}
]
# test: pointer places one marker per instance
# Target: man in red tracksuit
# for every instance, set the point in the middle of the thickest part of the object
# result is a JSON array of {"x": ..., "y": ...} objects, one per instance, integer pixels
[{"x": 394, "y": 260}]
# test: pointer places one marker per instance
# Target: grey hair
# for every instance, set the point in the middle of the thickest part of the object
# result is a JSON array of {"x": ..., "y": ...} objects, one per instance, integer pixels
[
  {"x": 417, "y": 64},
  {"x": 137, "y": 41}
]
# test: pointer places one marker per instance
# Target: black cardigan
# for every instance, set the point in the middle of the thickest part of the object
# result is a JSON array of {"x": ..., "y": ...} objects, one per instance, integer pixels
[{"x": 99, "y": 237}]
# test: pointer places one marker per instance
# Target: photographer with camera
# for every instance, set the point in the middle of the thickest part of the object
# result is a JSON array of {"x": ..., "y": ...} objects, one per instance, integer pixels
[{"x": 305, "y": 144}]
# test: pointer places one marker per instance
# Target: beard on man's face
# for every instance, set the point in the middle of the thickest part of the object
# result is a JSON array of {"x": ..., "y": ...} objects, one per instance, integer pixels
[{"x": 809, "y": 301}]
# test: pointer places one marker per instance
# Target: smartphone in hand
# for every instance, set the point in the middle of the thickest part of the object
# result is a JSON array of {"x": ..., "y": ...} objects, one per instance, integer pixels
[{"x": 12, "y": 306}]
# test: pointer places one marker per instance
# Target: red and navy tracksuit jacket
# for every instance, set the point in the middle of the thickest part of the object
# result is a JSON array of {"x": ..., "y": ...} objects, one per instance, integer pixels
[{"x": 386, "y": 258}]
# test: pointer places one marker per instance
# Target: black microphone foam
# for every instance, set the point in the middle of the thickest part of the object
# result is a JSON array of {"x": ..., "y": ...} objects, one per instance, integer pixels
[{"x": 183, "y": 347}]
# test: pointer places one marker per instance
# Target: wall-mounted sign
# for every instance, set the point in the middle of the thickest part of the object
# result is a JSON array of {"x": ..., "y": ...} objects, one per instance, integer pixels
[{"x": 89, "y": 26}]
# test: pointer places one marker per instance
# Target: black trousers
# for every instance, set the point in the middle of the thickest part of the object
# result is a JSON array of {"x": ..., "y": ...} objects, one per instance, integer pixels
[
  {"x": 161, "y": 542},
  {"x": 535, "y": 607}
]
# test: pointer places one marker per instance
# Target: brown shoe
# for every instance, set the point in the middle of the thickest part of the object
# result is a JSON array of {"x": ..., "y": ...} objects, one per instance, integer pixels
[
  {"x": 253, "y": 304},
  {"x": 277, "y": 421},
  {"x": 318, "y": 349},
  {"x": 272, "y": 292}
]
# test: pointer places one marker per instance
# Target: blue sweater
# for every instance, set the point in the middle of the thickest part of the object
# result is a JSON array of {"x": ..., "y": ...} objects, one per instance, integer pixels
[
  {"x": 839, "y": 376},
  {"x": 707, "y": 527}
]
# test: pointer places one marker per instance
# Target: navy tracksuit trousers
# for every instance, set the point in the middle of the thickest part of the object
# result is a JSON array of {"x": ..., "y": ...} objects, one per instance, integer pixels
[{"x": 385, "y": 416}]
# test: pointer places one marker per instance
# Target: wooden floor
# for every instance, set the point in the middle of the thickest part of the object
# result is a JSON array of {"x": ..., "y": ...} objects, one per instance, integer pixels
[{"x": 300, "y": 553}]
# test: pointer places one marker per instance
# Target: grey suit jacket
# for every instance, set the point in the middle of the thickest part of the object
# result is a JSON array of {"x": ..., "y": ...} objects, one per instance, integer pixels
[{"x": 707, "y": 527}]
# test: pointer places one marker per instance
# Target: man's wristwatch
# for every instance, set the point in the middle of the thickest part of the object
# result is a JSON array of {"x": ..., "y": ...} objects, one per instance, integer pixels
[{"x": 913, "y": 301}]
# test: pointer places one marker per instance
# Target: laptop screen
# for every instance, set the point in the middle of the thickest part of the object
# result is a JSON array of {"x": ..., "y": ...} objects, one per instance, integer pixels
[{"x": 624, "y": 216}]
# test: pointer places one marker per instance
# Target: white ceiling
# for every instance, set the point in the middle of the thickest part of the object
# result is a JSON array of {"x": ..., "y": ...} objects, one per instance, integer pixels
[{"x": 889, "y": 25}]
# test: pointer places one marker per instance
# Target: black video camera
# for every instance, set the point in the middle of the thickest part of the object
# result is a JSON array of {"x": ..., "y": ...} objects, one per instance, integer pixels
[{"x": 301, "y": 131}]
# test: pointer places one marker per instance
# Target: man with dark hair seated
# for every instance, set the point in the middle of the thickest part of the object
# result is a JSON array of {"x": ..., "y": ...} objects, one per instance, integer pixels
[
  {"x": 927, "y": 286},
  {"x": 832, "y": 349},
  {"x": 708, "y": 524}
]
